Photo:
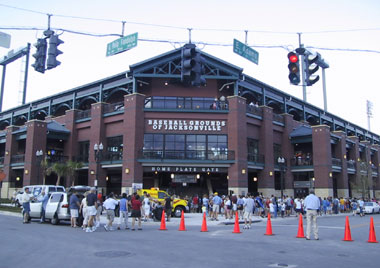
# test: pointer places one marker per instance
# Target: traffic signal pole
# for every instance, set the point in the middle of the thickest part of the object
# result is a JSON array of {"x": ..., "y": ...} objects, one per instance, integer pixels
[{"x": 303, "y": 75}]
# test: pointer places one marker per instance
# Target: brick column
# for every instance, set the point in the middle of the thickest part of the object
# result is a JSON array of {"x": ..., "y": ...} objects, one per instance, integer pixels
[
  {"x": 36, "y": 134},
  {"x": 133, "y": 140},
  {"x": 266, "y": 176},
  {"x": 97, "y": 137},
  {"x": 322, "y": 160},
  {"x": 8, "y": 184},
  {"x": 342, "y": 177},
  {"x": 288, "y": 151},
  {"x": 237, "y": 142}
]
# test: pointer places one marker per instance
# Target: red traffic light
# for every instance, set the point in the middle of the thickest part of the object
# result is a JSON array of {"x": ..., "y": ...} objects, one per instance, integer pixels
[{"x": 293, "y": 57}]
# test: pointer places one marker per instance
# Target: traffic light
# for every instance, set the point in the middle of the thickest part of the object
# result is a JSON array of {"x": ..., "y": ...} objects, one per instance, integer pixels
[
  {"x": 311, "y": 66},
  {"x": 192, "y": 67},
  {"x": 40, "y": 55},
  {"x": 294, "y": 68},
  {"x": 197, "y": 78},
  {"x": 187, "y": 62},
  {"x": 53, "y": 51}
]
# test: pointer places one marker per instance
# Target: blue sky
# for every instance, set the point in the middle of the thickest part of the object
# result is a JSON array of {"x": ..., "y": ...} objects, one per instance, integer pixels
[{"x": 351, "y": 78}]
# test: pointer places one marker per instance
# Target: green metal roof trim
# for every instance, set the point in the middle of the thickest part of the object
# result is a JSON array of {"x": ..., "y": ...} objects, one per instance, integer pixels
[
  {"x": 54, "y": 126},
  {"x": 301, "y": 131}
]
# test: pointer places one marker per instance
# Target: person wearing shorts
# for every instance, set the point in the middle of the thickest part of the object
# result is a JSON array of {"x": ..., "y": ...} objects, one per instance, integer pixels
[
  {"x": 248, "y": 208},
  {"x": 91, "y": 210},
  {"x": 136, "y": 211},
  {"x": 74, "y": 209},
  {"x": 110, "y": 205}
]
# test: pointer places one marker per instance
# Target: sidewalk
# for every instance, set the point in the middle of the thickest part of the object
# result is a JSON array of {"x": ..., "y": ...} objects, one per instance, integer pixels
[{"x": 191, "y": 219}]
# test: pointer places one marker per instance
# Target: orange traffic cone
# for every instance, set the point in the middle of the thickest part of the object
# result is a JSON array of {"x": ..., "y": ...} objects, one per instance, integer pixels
[
  {"x": 204, "y": 223},
  {"x": 347, "y": 231},
  {"x": 182, "y": 224},
  {"x": 163, "y": 224},
  {"x": 300, "y": 234},
  {"x": 372, "y": 234},
  {"x": 237, "y": 227},
  {"x": 269, "y": 226}
]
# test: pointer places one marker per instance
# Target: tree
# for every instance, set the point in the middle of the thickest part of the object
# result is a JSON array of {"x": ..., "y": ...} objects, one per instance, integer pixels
[
  {"x": 364, "y": 182},
  {"x": 45, "y": 169},
  {"x": 72, "y": 167},
  {"x": 60, "y": 169}
]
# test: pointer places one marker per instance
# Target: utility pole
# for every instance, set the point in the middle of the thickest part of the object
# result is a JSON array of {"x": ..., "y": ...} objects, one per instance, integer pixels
[{"x": 369, "y": 113}]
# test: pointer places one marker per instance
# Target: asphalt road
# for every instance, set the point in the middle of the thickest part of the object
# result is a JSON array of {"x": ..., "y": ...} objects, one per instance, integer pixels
[{"x": 45, "y": 245}]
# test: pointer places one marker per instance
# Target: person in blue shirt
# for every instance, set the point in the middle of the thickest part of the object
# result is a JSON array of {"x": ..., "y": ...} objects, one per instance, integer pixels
[
  {"x": 325, "y": 204},
  {"x": 216, "y": 201},
  {"x": 74, "y": 209},
  {"x": 44, "y": 199},
  {"x": 123, "y": 211}
]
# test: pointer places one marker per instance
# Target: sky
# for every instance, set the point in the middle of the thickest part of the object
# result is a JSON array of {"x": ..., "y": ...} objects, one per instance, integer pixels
[{"x": 326, "y": 26}]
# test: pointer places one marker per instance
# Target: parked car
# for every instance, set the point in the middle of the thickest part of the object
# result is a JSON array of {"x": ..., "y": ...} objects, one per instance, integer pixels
[
  {"x": 371, "y": 207},
  {"x": 36, "y": 190},
  {"x": 57, "y": 208}
]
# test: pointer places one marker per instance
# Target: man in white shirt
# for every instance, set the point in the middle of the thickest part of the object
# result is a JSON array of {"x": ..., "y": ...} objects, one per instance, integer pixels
[
  {"x": 110, "y": 205},
  {"x": 25, "y": 198},
  {"x": 248, "y": 206},
  {"x": 312, "y": 205}
]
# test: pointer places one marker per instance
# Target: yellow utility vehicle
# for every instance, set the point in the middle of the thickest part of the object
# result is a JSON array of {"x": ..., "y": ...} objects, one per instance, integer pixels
[{"x": 156, "y": 194}]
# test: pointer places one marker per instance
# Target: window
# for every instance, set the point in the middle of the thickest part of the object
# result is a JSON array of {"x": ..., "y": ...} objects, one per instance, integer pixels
[
  {"x": 84, "y": 148},
  {"x": 195, "y": 146},
  {"x": 175, "y": 146},
  {"x": 253, "y": 149},
  {"x": 55, "y": 198},
  {"x": 178, "y": 146},
  {"x": 276, "y": 151},
  {"x": 37, "y": 191},
  {"x": 53, "y": 189},
  {"x": 115, "y": 144},
  {"x": 162, "y": 195},
  {"x": 217, "y": 147}
]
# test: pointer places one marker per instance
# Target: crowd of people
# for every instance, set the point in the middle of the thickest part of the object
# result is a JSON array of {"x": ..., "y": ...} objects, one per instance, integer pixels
[
  {"x": 213, "y": 205},
  {"x": 228, "y": 205}
]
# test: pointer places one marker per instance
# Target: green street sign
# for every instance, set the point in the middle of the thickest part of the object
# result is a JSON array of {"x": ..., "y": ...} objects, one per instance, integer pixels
[
  {"x": 246, "y": 52},
  {"x": 122, "y": 44}
]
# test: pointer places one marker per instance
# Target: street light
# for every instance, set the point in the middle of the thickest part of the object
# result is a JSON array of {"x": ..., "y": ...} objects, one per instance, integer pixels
[
  {"x": 281, "y": 163},
  {"x": 98, "y": 155},
  {"x": 313, "y": 183},
  {"x": 39, "y": 154}
]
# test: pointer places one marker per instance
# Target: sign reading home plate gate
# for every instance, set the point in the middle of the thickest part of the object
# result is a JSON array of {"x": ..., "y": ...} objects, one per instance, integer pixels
[{"x": 122, "y": 44}]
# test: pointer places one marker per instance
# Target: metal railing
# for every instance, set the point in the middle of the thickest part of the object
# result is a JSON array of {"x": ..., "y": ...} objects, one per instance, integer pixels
[
  {"x": 185, "y": 103},
  {"x": 188, "y": 155},
  {"x": 113, "y": 107},
  {"x": 18, "y": 158},
  {"x": 82, "y": 114},
  {"x": 278, "y": 118},
  {"x": 112, "y": 156},
  {"x": 301, "y": 161},
  {"x": 81, "y": 158},
  {"x": 336, "y": 162},
  {"x": 256, "y": 158},
  {"x": 252, "y": 109},
  {"x": 351, "y": 164}
]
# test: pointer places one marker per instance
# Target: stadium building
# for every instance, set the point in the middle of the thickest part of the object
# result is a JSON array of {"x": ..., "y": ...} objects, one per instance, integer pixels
[{"x": 145, "y": 128}]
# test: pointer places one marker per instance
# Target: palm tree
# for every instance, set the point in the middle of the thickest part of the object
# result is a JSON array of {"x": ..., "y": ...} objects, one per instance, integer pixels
[
  {"x": 46, "y": 169},
  {"x": 72, "y": 167},
  {"x": 60, "y": 169}
]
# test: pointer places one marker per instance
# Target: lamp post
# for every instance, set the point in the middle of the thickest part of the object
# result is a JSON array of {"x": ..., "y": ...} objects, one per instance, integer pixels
[
  {"x": 98, "y": 155},
  {"x": 281, "y": 163},
  {"x": 39, "y": 154},
  {"x": 313, "y": 179}
]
